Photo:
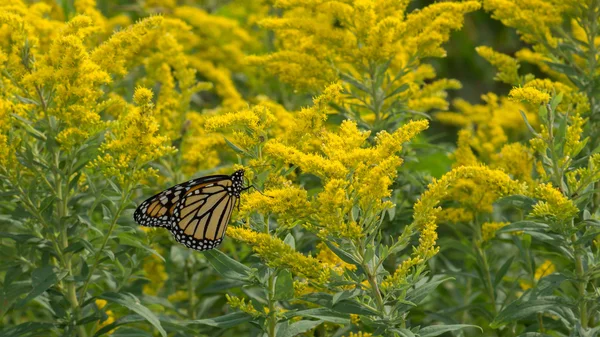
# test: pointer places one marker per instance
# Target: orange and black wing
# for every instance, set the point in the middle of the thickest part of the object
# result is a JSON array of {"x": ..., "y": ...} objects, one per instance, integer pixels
[
  {"x": 203, "y": 213},
  {"x": 158, "y": 210}
]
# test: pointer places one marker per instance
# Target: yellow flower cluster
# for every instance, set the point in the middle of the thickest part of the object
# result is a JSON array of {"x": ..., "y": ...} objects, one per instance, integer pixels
[
  {"x": 154, "y": 270},
  {"x": 111, "y": 316},
  {"x": 489, "y": 229},
  {"x": 426, "y": 211},
  {"x": 352, "y": 173},
  {"x": 311, "y": 34},
  {"x": 278, "y": 254},
  {"x": 534, "y": 19},
  {"x": 508, "y": 67},
  {"x": 134, "y": 140},
  {"x": 545, "y": 269},
  {"x": 239, "y": 303},
  {"x": 552, "y": 203}
]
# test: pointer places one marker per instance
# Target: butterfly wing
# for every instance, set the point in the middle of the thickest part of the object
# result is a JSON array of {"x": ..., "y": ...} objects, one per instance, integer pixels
[
  {"x": 203, "y": 213},
  {"x": 158, "y": 210}
]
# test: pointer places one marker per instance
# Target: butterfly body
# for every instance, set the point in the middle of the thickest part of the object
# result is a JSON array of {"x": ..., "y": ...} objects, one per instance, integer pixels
[{"x": 196, "y": 212}]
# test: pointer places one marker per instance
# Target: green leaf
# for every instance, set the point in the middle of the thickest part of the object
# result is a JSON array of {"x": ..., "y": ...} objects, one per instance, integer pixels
[
  {"x": 25, "y": 329},
  {"x": 345, "y": 256},
  {"x": 345, "y": 306},
  {"x": 436, "y": 330},
  {"x": 529, "y": 127},
  {"x": 525, "y": 307},
  {"x": 131, "y": 302},
  {"x": 225, "y": 321},
  {"x": 525, "y": 226},
  {"x": 345, "y": 295},
  {"x": 403, "y": 332},
  {"x": 290, "y": 241},
  {"x": 286, "y": 330},
  {"x": 121, "y": 321},
  {"x": 41, "y": 280},
  {"x": 284, "y": 286},
  {"x": 502, "y": 271},
  {"x": 234, "y": 147},
  {"x": 325, "y": 314},
  {"x": 226, "y": 266}
]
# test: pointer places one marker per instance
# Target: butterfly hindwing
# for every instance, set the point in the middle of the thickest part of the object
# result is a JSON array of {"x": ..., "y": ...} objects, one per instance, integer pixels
[{"x": 202, "y": 215}]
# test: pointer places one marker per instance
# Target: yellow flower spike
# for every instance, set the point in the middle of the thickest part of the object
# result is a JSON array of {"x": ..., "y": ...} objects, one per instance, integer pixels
[
  {"x": 133, "y": 142},
  {"x": 573, "y": 142},
  {"x": 328, "y": 257},
  {"x": 100, "y": 303},
  {"x": 389, "y": 144},
  {"x": 552, "y": 203},
  {"x": 109, "y": 320},
  {"x": 507, "y": 66},
  {"x": 154, "y": 270},
  {"x": 277, "y": 254},
  {"x": 115, "y": 55},
  {"x": 178, "y": 296},
  {"x": 360, "y": 334},
  {"x": 533, "y": 19},
  {"x": 239, "y": 303},
  {"x": 309, "y": 163},
  {"x": 288, "y": 203},
  {"x": 464, "y": 156},
  {"x": 489, "y": 229},
  {"x": 515, "y": 159},
  {"x": 426, "y": 211},
  {"x": 530, "y": 95},
  {"x": 383, "y": 30},
  {"x": 544, "y": 269}
]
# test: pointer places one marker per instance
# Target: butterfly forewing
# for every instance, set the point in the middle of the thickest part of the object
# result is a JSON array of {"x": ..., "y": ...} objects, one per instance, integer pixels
[
  {"x": 196, "y": 212},
  {"x": 157, "y": 211}
]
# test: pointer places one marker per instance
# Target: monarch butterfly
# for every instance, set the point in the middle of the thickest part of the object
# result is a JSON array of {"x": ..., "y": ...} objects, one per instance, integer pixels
[{"x": 196, "y": 212}]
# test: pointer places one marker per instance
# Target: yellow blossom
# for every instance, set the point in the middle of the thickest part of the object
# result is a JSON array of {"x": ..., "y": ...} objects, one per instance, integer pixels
[
  {"x": 154, "y": 270},
  {"x": 133, "y": 142},
  {"x": 426, "y": 211},
  {"x": 507, "y": 66},
  {"x": 552, "y": 203},
  {"x": 278, "y": 254},
  {"x": 489, "y": 229},
  {"x": 545, "y": 269},
  {"x": 530, "y": 95},
  {"x": 360, "y": 334},
  {"x": 333, "y": 262},
  {"x": 288, "y": 203},
  {"x": 239, "y": 303},
  {"x": 178, "y": 296}
]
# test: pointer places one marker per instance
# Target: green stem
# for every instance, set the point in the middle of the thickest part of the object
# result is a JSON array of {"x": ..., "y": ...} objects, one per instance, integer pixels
[
  {"x": 191, "y": 311},
  {"x": 62, "y": 212},
  {"x": 487, "y": 277},
  {"x": 581, "y": 283},
  {"x": 272, "y": 319},
  {"x": 124, "y": 197}
]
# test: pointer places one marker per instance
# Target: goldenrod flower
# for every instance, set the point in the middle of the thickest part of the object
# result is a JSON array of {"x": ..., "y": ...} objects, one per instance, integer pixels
[
  {"x": 239, "y": 303},
  {"x": 154, "y": 270},
  {"x": 530, "y": 95},
  {"x": 276, "y": 253},
  {"x": 545, "y": 269},
  {"x": 552, "y": 203},
  {"x": 507, "y": 66},
  {"x": 426, "y": 211},
  {"x": 133, "y": 142},
  {"x": 489, "y": 229}
]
